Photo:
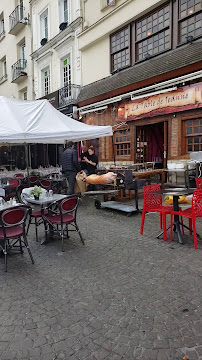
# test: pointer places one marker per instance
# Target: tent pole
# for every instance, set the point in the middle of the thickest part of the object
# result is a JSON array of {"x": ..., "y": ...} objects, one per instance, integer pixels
[
  {"x": 114, "y": 156},
  {"x": 27, "y": 162}
]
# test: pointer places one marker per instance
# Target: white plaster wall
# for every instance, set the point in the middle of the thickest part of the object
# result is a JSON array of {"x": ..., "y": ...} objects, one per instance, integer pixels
[
  {"x": 8, "y": 47},
  {"x": 54, "y": 55},
  {"x": 94, "y": 40}
]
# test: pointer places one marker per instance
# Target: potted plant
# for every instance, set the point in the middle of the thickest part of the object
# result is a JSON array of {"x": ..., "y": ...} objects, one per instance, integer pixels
[
  {"x": 36, "y": 192},
  {"x": 63, "y": 26},
  {"x": 43, "y": 41}
]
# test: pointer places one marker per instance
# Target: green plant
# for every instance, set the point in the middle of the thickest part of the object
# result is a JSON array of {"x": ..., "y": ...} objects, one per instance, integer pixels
[{"x": 36, "y": 191}]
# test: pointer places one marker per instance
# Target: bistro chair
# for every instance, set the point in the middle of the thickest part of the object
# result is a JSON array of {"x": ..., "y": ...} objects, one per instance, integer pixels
[
  {"x": 45, "y": 183},
  {"x": 35, "y": 213},
  {"x": 62, "y": 214},
  {"x": 33, "y": 180},
  {"x": 12, "y": 231},
  {"x": 199, "y": 183},
  {"x": 153, "y": 203},
  {"x": 19, "y": 176},
  {"x": 12, "y": 190},
  {"x": 191, "y": 213},
  {"x": 2, "y": 192}
]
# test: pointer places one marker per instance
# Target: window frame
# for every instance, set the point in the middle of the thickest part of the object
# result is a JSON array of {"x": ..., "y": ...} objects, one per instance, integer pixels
[
  {"x": 192, "y": 134},
  {"x": 181, "y": 19},
  {"x": 170, "y": 27},
  {"x": 126, "y": 47},
  {"x": 62, "y": 12},
  {"x": 44, "y": 30},
  {"x": 174, "y": 35},
  {"x": 44, "y": 91},
  {"x": 126, "y": 142}
]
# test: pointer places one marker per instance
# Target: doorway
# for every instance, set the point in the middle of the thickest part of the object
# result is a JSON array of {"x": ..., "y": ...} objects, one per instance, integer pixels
[{"x": 150, "y": 141}]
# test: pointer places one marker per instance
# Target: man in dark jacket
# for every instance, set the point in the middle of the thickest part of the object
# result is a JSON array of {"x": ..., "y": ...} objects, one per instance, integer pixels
[{"x": 70, "y": 166}]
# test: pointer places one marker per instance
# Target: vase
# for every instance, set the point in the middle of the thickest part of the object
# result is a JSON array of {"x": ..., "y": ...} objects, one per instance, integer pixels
[{"x": 36, "y": 197}]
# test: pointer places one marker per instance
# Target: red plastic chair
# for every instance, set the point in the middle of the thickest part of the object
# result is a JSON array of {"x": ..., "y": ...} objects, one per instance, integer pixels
[
  {"x": 191, "y": 213},
  {"x": 12, "y": 230},
  {"x": 199, "y": 183},
  {"x": 63, "y": 214},
  {"x": 153, "y": 203}
]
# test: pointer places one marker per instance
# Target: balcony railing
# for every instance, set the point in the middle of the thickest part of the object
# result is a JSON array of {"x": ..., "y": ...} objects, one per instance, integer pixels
[
  {"x": 3, "y": 78},
  {"x": 16, "y": 20},
  {"x": 18, "y": 70},
  {"x": 2, "y": 35},
  {"x": 68, "y": 95}
]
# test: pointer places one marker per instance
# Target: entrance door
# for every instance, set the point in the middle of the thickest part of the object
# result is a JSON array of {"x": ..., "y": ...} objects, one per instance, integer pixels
[
  {"x": 142, "y": 144},
  {"x": 150, "y": 143}
]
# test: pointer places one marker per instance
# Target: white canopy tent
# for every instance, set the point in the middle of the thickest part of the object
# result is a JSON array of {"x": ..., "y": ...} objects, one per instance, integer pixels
[{"x": 39, "y": 122}]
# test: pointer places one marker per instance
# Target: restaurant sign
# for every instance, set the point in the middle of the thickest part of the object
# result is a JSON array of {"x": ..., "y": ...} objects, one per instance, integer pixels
[{"x": 179, "y": 100}]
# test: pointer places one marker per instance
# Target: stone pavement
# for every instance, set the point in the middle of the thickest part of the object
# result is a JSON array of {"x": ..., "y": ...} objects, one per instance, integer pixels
[{"x": 121, "y": 296}]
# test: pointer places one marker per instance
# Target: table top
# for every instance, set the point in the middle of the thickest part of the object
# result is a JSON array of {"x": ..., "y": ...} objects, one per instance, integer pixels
[
  {"x": 46, "y": 199},
  {"x": 99, "y": 192},
  {"x": 148, "y": 172},
  {"x": 6, "y": 205},
  {"x": 175, "y": 191}
]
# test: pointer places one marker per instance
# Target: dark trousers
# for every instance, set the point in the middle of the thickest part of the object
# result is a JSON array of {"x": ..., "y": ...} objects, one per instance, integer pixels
[{"x": 71, "y": 177}]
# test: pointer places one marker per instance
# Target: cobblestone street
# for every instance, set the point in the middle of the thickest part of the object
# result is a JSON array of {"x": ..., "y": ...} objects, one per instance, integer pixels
[{"x": 121, "y": 296}]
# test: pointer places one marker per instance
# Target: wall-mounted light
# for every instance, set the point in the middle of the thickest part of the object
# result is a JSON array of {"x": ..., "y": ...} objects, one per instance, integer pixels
[
  {"x": 147, "y": 56},
  {"x": 189, "y": 38}
]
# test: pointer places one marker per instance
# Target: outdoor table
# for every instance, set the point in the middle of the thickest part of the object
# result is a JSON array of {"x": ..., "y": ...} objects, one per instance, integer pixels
[
  {"x": 176, "y": 192},
  {"x": 42, "y": 202}
]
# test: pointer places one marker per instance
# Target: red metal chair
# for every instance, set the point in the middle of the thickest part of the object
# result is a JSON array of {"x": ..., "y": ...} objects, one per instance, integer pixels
[
  {"x": 12, "y": 230},
  {"x": 199, "y": 183},
  {"x": 191, "y": 213},
  {"x": 153, "y": 203},
  {"x": 62, "y": 215}
]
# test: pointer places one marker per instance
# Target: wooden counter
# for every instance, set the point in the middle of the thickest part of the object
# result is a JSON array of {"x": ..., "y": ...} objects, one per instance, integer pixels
[{"x": 148, "y": 174}]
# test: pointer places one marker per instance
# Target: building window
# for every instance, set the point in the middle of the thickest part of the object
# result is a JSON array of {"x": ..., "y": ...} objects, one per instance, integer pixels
[
  {"x": 153, "y": 34},
  {"x": 23, "y": 49},
  {"x": 46, "y": 82},
  {"x": 190, "y": 19},
  {"x": 120, "y": 49},
  {"x": 122, "y": 143},
  {"x": 44, "y": 24},
  {"x": 66, "y": 71},
  {"x": 64, "y": 11},
  {"x": 3, "y": 70},
  {"x": 194, "y": 135},
  {"x": 105, "y": 3},
  {"x": 2, "y": 27}
]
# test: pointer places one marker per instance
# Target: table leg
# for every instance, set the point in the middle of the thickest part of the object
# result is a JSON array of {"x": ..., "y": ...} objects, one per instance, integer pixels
[{"x": 176, "y": 219}]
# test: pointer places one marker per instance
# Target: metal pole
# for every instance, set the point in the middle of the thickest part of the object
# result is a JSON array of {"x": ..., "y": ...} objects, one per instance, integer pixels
[
  {"x": 27, "y": 162},
  {"x": 114, "y": 156}
]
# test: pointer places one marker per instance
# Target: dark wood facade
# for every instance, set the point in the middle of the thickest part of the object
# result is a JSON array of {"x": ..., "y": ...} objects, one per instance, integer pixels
[{"x": 181, "y": 133}]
